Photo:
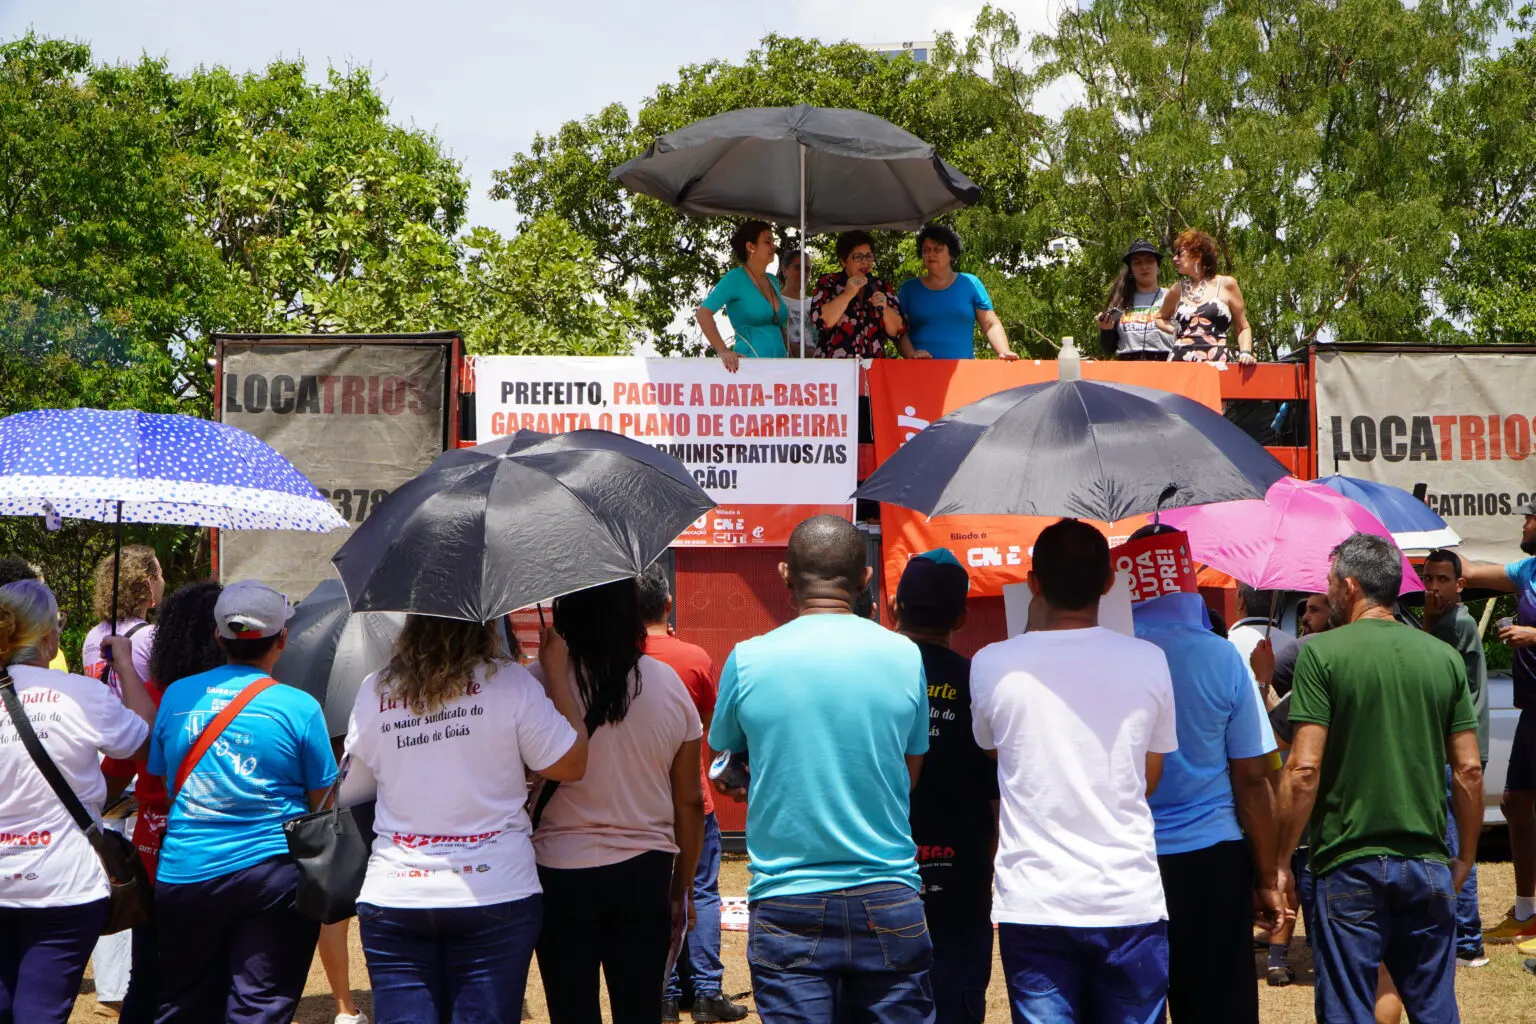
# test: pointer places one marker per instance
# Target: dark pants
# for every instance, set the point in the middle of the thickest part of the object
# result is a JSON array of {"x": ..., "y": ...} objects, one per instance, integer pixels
[
  {"x": 1469, "y": 922},
  {"x": 617, "y": 918},
  {"x": 43, "y": 951},
  {"x": 143, "y": 997},
  {"x": 1210, "y": 933},
  {"x": 699, "y": 971},
  {"x": 849, "y": 956},
  {"x": 1059, "y": 975},
  {"x": 962, "y": 969},
  {"x": 1385, "y": 910},
  {"x": 233, "y": 948},
  {"x": 459, "y": 964}
]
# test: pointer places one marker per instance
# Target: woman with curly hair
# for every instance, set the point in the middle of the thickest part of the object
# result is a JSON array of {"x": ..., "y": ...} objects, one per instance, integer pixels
[
  {"x": 1204, "y": 307},
  {"x": 140, "y": 586},
  {"x": 450, "y": 907},
  {"x": 184, "y": 645},
  {"x": 617, "y": 851}
]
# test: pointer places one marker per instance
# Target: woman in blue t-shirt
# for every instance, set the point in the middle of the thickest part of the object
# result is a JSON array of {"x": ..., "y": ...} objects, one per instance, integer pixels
[
  {"x": 943, "y": 307},
  {"x": 749, "y": 295}
]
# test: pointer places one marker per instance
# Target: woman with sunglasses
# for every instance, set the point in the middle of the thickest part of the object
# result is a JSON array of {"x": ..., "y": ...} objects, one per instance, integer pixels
[
  {"x": 749, "y": 295},
  {"x": 853, "y": 312},
  {"x": 1204, "y": 308}
]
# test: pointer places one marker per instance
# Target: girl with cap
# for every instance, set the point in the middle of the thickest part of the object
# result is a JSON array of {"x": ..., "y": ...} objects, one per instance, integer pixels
[{"x": 1128, "y": 327}]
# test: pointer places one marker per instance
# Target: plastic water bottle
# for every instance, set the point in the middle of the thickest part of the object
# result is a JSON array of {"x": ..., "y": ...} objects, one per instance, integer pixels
[{"x": 1069, "y": 361}]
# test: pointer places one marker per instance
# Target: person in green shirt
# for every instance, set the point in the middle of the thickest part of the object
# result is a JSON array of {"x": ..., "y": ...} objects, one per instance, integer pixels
[
  {"x": 750, "y": 297},
  {"x": 1379, "y": 709}
]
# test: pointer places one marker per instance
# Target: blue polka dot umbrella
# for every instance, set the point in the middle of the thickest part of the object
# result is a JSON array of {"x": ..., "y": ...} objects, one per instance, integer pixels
[{"x": 137, "y": 467}]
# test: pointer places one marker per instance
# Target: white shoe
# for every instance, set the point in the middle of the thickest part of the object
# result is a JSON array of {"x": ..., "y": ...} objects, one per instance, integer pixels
[
  {"x": 1481, "y": 960},
  {"x": 352, "y": 1018}
]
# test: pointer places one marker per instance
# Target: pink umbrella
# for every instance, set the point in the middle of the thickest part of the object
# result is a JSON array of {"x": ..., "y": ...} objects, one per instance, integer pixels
[{"x": 1282, "y": 542}]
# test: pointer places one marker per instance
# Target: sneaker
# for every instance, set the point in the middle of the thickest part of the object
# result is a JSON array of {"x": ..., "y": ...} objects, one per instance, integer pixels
[
  {"x": 709, "y": 1009},
  {"x": 352, "y": 1018},
  {"x": 1530, "y": 965},
  {"x": 1279, "y": 977},
  {"x": 1478, "y": 959},
  {"x": 670, "y": 1014},
  {"x": 1511, "y": 929}
]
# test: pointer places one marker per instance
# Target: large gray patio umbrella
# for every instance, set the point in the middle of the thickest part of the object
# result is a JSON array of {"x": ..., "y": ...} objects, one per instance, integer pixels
[{"x": 825, "y": 169}]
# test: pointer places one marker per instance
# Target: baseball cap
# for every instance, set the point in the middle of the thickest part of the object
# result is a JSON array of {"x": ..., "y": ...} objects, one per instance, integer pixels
[
  {"x": 251, "y": 610},
  {"x": 931, "y": 594},
  {"x": 1140, "y": 246}
]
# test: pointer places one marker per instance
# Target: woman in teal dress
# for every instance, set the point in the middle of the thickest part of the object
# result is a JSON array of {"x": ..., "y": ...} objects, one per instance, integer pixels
[{"x": 750, "y": 297}]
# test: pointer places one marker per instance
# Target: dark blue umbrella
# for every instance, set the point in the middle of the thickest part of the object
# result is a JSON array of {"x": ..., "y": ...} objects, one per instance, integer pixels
[
  {"x": 1080, "y": 448},
  {"x": 1414, "y": 525}
]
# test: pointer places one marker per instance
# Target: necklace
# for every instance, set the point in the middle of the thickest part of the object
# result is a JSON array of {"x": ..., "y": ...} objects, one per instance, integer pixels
[{"x": 766, "y": 291}]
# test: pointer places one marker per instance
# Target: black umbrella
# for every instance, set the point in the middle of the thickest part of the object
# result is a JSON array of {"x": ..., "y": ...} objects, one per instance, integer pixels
[
  {"x": 331, "y": 648},
  {"x": 822, "y": 168},
  {"x": 1086, "y": 449},
  {"x": 525, "y": 518}
]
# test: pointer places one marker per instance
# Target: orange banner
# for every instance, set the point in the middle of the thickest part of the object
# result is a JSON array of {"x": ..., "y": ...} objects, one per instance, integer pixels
[
  {"x": 752, "y": 525},
  {"x": 907, "y": 395}
]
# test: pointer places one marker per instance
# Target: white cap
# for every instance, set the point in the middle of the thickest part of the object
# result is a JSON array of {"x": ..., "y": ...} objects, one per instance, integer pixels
[{"x": 251, "y": 610}]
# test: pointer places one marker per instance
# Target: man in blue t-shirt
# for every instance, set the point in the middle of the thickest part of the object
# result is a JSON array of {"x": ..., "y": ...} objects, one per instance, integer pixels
[
  {"x": 833, "y": 710},
  {"x": 1214, "y": 787},
  {"x": 224, "y": 895},
  {"x": 1518, "y": 578}
]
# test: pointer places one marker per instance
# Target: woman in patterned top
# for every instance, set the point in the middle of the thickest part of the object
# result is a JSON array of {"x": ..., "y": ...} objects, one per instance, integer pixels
[
  {"x": 855, "y": 313},
  {"x": 1204, "y": 307}
]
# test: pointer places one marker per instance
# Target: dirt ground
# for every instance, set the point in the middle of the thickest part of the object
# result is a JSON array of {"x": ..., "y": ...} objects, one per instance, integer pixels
[{"x": 1501, "y": 993}]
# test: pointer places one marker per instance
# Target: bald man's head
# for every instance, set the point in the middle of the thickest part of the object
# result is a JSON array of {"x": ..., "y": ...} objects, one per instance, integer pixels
[{"x": 827, "y": 553}]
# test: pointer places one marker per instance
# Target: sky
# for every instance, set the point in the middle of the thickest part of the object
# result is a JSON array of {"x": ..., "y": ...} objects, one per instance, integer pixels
[{"x": 483, "y": 76}]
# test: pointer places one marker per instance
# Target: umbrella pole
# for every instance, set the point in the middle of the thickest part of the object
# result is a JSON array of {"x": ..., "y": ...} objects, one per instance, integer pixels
[
  {"x": 804, "y": 254},
  {"x": 117, "y": 562}
]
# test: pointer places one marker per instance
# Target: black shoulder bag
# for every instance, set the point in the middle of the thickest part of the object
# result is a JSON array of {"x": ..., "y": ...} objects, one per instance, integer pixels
[
  {"x": 537, "y": 804},
  {"x": 331, "y": 847},
  {"x": 132, "y": 898}
]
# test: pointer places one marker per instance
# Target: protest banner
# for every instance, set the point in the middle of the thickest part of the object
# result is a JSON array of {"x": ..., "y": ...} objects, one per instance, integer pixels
[
  {"x": 773, "y": 443},
  {"x": 357, "y": 417},
  {"x": 908, "y": 395},
  {"x": 1452, "y": 427},
  {"x": 1155, "y": 566}
]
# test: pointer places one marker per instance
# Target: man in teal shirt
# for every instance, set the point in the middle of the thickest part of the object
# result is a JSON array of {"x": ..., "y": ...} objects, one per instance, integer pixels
[{"x": 833, "y": 710}]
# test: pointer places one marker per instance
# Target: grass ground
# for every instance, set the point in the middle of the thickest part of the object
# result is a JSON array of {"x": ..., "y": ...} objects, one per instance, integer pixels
[{"x": 1501, "y": 993}]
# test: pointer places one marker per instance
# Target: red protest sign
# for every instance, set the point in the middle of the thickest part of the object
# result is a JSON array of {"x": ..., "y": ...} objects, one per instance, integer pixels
[{"x": 1157, "y": 565}]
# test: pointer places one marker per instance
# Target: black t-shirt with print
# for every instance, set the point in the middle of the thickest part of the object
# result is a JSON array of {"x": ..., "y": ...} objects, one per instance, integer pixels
[{"x": 952, "y": 822}]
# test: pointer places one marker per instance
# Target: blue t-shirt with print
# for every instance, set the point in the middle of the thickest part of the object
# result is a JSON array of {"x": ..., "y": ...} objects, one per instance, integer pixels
[
  {"x": 943, "y": 322},
  {"x": 1219, "y": 718},
  {"x": 256, "y": 775},
  {"x": 827, "y": 708},
  {"x": 1523, "y": 575}
]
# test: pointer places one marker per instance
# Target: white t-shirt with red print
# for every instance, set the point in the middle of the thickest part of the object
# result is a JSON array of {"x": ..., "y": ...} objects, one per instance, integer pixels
[
  {"x": 450, "y": 820},
  {"x": 45, "y": 860}
]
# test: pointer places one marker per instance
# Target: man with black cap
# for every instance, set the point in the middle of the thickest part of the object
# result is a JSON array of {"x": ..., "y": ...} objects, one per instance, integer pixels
[
  {"x": 232, "y": 945},
  {"x": 954, "y": 805},
  {"x": 1518, "y": 578},
  {"x": 1128, "y": 326}
]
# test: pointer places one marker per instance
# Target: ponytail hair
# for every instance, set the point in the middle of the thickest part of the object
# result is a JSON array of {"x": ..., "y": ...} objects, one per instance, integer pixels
[{"x": 28, "y": 613}]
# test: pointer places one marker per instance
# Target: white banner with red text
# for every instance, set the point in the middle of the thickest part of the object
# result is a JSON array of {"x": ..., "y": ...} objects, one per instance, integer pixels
[{"x": 773, "y": 443}]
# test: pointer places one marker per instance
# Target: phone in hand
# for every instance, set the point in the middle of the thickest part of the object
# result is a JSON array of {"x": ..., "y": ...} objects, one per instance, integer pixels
[{"x": 1114, "y": 313}]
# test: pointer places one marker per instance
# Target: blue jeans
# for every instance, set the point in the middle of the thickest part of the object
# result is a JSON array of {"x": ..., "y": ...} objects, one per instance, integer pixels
[
  {"x": 450, "y": 966},
  {"x": 43, "y": 951},
  {"x": 1469, "y": 923},
  {"x": 700, "y": 964},
  {"x": 1059, "y": 975},
  {"x": 962, "y": 969},
  {"x": 848, "y": 956},
  {"x": 1385, "y": 910}
]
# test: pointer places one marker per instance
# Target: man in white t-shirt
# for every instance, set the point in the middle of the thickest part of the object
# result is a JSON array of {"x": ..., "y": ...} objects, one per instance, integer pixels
[
  {"x": 1080, "y": 717},
  {"x": 1254, "y": 624}
]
